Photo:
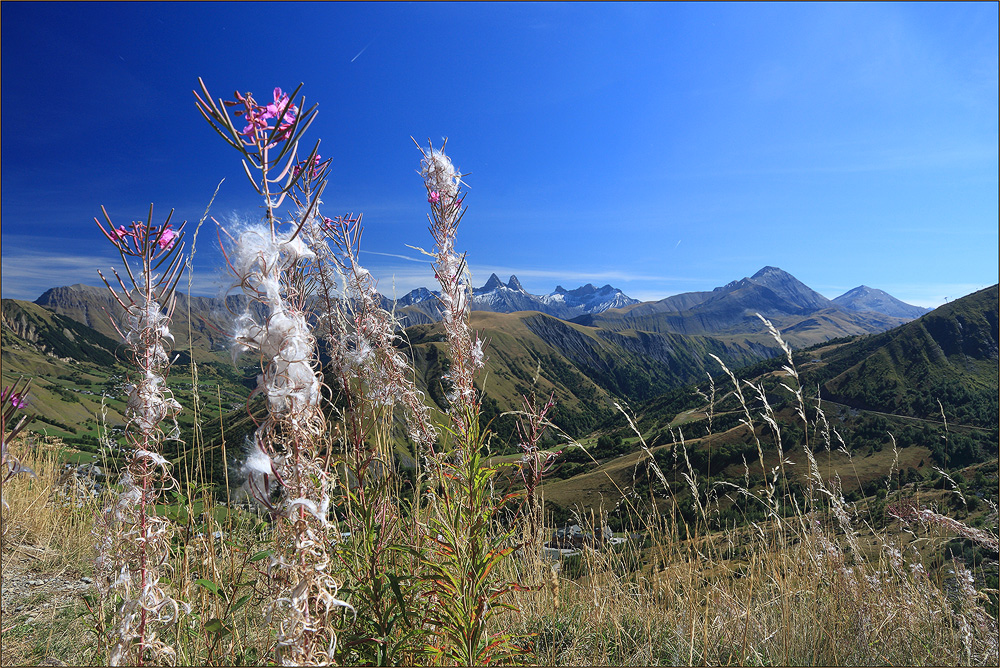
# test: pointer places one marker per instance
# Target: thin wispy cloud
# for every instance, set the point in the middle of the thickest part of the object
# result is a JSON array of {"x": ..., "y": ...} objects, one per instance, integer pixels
[
  {"x": 362, "y": 51},
  {"x": 29, "y": 273},
  {"x": 396, "y": 255}
]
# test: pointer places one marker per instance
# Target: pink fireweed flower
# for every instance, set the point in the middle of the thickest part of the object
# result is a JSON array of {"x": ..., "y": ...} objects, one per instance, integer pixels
[
  {"x": 258, "y": 116},
  {"x": 285, "y": 129},
  {"x": 279, "y": 106},
  {"x": 434, "y": 197},
  {"x": 167, "y": 239},
  {"x": 283, "y": 109},
  {"x": 16, "y": 400},
  {"x": 297, "y": 169},
  {"x": 120, "y": 233},
  {"x": 256, "y": 121}
]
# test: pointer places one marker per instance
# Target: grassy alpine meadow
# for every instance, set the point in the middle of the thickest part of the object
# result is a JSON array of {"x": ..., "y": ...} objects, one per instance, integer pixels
[{"x": 323, "y": 549}]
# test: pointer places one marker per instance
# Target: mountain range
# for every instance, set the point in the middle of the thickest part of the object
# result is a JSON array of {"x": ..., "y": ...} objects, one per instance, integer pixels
[
  {"x": 588, "y": 345},
  {"x": 643, "y": 353},
  {"x": 771, "y": 289},
  {"x": 420, "y": 306},
  {"x": 726, "y": 314}
]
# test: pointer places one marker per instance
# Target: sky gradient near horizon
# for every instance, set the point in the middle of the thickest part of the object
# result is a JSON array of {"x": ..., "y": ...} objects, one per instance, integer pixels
[{"x": 661, "y": 148}]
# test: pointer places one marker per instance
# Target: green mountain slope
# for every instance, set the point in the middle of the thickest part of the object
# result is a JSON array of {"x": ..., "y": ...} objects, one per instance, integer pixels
[
  {"x": 949, "y": 355},
  {"x": 54, "y": 334},
  {"x": 878, "y": 391},
  {"x": 72, "y": 367},
  {"x": 588, "y": 368},
  {"x": 80, "y": 380}
]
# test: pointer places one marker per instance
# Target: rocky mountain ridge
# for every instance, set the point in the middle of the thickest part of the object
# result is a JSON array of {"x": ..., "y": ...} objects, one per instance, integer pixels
[{"x": 420, "y": 306}]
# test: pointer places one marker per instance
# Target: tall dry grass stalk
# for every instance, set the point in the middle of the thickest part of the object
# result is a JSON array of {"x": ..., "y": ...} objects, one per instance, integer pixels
[{"x": 807, "y": 603}]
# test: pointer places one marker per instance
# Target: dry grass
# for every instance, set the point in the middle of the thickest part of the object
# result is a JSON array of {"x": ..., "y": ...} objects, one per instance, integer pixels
[
  {"x": 46, "y": 512},
  {"x": 751, "y": 597}
]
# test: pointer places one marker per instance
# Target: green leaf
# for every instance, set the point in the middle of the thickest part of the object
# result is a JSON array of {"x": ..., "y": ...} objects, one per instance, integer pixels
[
  {"x": 242, "y": 601},
  {"x": 394, "y": 583},
  {"x": 263, "y": 554},
  {"x": 211, "y": 586},
  {"x": 215, "y": 625}
]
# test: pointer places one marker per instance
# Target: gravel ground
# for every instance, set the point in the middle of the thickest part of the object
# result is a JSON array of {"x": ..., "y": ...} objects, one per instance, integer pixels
[{"x": 37, "y": 605}]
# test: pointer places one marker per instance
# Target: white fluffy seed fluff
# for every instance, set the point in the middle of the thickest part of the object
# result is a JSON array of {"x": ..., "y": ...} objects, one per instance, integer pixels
[
  {"x": 440, "y": 175},
  {"x": 285, "y": 340}
]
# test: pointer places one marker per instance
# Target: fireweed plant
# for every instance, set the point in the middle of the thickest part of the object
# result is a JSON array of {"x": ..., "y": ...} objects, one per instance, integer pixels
[
  {"x": 275, "y": 268},
  {"x": 469, "y": 541},
  {"x": 132, "y": 542},
  {"x": 371, "y": 379},
  {"x": 443, "y": 183},
  {"x": 534, "y": 462},
  {"x": 12, "y": 399}
]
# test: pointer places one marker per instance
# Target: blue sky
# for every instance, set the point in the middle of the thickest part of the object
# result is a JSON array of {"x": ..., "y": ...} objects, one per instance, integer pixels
[{"x": 661, "y": 148}]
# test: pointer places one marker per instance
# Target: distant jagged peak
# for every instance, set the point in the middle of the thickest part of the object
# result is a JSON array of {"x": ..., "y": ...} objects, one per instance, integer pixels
[
  {"x": 492, "y": 284},
  {"x": 591, "y": 299},
  {"x": 515, "y": 284}
]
